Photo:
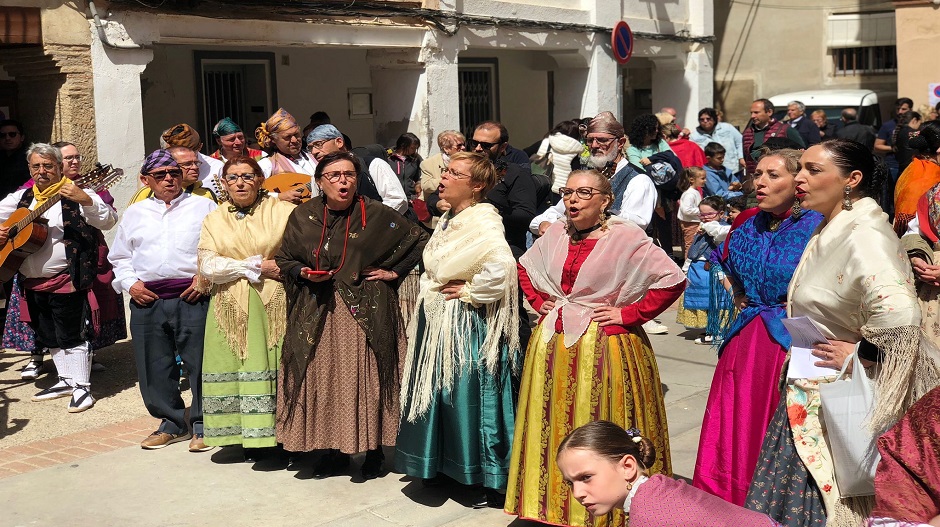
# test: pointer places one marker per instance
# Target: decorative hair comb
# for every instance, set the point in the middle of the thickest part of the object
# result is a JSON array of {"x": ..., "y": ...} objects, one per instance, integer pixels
[{"x": 635, "y": 435}]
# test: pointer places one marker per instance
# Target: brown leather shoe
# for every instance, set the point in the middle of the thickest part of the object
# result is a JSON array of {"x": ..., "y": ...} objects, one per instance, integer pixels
[
  {"x": 198, "y": 444},
  {"x": 160, "y": 439}
]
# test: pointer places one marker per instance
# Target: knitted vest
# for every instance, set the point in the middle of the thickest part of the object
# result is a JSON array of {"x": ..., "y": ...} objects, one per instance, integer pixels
[{"x": 776, "y": 129}]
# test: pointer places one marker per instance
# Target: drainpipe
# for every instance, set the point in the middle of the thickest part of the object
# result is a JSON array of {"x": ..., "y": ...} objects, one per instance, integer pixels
[{"x": 103, "y": 36}]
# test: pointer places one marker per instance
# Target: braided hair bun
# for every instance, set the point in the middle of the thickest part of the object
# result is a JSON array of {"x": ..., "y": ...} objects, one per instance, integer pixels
[{"x": 612, "y": 442}]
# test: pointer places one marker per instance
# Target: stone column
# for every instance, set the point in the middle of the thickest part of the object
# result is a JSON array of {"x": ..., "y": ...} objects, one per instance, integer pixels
[
  {"x": 118, "y": 111},
  {"x": 441, "y": 107}
]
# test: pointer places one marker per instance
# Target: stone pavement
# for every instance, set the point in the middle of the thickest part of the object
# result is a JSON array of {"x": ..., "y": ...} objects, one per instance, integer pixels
[{"x": 101, "y": 477}]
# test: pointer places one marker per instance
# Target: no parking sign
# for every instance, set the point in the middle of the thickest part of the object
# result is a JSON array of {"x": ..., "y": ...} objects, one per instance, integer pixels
[
  {"x": 934, "y": 94},
  {"x": 622, "y": 42}
]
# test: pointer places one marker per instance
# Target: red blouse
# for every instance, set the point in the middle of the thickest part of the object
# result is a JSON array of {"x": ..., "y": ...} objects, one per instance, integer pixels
[{"x": 653, "y": 303}]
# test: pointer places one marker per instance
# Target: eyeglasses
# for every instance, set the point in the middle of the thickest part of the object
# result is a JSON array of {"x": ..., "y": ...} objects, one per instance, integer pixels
[
  {"x": 482, "y": 144},
  {"x": 9, "y": 135},
  {"x": 76, "y": 157},
  {"x": 48, "y": 167},
  {"x": 454, "y": 174},
  {"x": 318, "y": 144},
  {"x": 163, "y": 174},
  {"x": 232, "y": 178},
  {"x": 600, "y": 141},
  {"x": 582, "y": 192},
  {"x": 333, "y": 177},
  {"x": 191, "y": 164}
]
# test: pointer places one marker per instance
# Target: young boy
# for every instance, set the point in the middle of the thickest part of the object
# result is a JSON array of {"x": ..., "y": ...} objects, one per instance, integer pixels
[{"x": 719, "y": 180}]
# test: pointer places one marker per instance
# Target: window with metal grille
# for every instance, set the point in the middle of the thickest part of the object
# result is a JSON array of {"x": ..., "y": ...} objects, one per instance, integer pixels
[
  {"x": 478, "y": 87},
  {"x": 240, "y": 86},
  {"x": 862, "y": 60}
]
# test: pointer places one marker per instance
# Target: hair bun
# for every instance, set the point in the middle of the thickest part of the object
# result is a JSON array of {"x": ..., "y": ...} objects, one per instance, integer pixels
[{"x": 647, "y": 452}]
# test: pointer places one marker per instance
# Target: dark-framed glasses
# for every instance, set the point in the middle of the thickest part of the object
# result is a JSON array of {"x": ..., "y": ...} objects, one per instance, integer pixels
[
  {"x": 232, "y": 178},
  {"x": 454, "y": 174},
  {"x": 581, "y": 192},
  {"x": 9, "y": 135},
  {"x": 163, "y": 174},
  {"x": 334, "y": 176},
  {"x": 600, "y": 141},
  {"x": 482, "y": 144}
]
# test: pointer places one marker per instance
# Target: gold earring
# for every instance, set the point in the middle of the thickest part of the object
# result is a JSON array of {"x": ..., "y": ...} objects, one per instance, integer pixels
[
  {"x": 846, "y": 202},
  {"x": 604, "y": 217},
  {"x": 796, "y": 209}
]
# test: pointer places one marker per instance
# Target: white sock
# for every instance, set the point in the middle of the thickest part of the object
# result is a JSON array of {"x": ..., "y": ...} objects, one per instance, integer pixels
[
  {"x": 78, "y": 361},
  {"x": 60, "y": 361}
]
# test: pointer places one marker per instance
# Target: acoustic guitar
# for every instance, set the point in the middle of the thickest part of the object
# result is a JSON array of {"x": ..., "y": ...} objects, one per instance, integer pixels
[
  {"x": 28, "y": 231},
  {"x": 288, "y": 181}
]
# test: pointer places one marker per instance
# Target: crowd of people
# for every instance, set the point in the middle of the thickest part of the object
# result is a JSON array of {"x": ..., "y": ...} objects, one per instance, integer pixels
[{"x": 485, "y": 311}]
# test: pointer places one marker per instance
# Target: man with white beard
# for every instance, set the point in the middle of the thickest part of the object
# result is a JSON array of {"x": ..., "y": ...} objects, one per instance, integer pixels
[{"x": 635, "y": 195}]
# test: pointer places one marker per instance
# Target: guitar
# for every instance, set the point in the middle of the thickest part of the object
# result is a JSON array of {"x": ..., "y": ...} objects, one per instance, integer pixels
[
  {"x": 288, "y": 181},
  {"x": 28, "y": 231}
]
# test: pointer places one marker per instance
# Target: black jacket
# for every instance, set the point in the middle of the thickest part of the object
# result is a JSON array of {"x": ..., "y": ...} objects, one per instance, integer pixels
[
  {"x": 514, "y": 198},
  {"x": 858, "y": 132},
  {"x": 808, "y": 131}
]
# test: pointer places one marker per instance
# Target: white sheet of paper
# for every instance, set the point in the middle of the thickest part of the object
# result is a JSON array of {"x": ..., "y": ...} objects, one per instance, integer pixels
[{"x": 805, "y": 334}]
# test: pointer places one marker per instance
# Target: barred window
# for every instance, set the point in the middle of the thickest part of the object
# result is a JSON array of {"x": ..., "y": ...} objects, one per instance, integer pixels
[{"x": 865, "y": 60}]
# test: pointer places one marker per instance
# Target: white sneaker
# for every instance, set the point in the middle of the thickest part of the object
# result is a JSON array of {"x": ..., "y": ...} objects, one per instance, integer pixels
[
  {"x": 705, "y": 340},
  {"x": 81, "y": 400},
  {"x": 655, "y": 328},
  {"x": 33, "y": 368},
  {"x": 60, "y": 389}
]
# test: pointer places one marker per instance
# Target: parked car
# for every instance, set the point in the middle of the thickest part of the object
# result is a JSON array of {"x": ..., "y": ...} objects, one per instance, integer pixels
[{"x": 832, "y": 102}]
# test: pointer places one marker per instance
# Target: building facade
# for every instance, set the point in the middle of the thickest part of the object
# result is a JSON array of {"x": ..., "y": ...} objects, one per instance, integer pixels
[
  {"x": 772, "y": 47},
  {"x": 113, "y": 83}
]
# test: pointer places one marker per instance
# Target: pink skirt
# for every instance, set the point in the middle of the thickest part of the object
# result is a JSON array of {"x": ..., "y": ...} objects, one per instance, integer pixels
[{"x": 744, "y": 393}]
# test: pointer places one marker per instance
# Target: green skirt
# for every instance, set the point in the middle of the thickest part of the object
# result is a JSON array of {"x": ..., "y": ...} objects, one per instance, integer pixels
[
  {"x": 467, "y": 432},
  {"x": 238, "y": 396}
]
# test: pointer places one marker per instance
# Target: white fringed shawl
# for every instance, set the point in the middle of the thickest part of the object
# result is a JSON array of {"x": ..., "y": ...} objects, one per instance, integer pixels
[
  {"x": 621, "y": 268},
  {"x": 470, "y": 247}
]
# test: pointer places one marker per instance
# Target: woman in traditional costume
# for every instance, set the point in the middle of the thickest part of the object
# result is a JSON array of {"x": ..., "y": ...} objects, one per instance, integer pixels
[
  {"x": 607, "y": 470},
  {"x": 248, "y": 310},
  {"x": 231, "y": 140},
  {"x": 595, "y": 279},
  {"x": 456, "y": 395},
  {"x": 762, "y": 254},
  {"x": 341, "y": 260},
  {"x": 279, "y": 136},
  {"x": 919, "y": 176},
  {"x": 854, "y": 282}
]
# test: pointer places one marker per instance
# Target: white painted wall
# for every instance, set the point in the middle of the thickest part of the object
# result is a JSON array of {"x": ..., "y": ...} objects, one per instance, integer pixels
[{"x": 312, "y": 81}]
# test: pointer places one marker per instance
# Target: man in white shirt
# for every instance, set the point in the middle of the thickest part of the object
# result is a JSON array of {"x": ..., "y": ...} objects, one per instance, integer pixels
[
  {"x": 154, "y": 259},
  {"x": 377, "y": 179},
  {"x": 184, "y": 135},
  {"x": 57, "y": 277},
  {"x": 637, "y": 193}
]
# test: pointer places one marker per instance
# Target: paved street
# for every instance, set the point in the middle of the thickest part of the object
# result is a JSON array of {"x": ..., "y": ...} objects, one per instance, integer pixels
[{"x": 100, "y": 476}]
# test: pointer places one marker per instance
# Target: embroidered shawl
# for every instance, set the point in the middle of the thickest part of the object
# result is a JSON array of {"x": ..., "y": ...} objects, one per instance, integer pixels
[
  {"x": 623, "y": 266},
  {"x": 224, "y": 239},
  {"x": 461, "y": 248}
]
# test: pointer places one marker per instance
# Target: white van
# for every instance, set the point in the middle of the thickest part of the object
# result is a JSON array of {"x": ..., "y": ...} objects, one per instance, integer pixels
[{"x": 832, "y": 102}]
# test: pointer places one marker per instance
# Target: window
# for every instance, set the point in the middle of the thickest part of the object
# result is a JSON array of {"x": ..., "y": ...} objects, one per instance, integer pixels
[
  {"x": 239, "y": 85},
  {"x": 478, "y": 82},
  {"x": 863, "y": 60}
]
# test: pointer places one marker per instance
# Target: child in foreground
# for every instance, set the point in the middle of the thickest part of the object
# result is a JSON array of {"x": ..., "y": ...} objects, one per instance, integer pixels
[{"x": 605, "y": 468}]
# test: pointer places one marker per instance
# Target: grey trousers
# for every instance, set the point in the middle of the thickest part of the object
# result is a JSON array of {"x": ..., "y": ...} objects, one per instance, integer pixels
[{"x": 160, "y": 331}]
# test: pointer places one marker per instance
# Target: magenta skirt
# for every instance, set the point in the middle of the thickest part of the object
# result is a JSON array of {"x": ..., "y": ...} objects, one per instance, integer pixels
[{"x": 744, "y": 393}]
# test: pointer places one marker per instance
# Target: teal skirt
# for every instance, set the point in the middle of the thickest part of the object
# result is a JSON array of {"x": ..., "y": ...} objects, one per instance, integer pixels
[{"x": 467, "y": 431}]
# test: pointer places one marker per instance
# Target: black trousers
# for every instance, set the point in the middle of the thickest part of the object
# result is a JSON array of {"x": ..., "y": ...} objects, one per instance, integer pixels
[
  {"x": 160, "y": 331},
  {"x": 60, "y": 320}
]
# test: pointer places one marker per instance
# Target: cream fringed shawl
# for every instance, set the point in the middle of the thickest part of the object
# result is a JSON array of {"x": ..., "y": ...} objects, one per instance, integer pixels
[
  {"x": 470, "y": 247},
  {"x": 621, "y": 268},
  {"x": 855, "y": 282},
  {"x": 230, "y": 251}
]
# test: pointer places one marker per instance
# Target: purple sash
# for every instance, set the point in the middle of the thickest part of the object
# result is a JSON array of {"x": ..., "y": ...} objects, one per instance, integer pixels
[{"x": 169, "y": 287}]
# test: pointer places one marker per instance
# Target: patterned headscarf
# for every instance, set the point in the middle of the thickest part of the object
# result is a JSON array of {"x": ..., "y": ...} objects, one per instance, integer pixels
[
  {"x": 932, "y": 229},
  {"x": 278, "y": 122},
  {"x": 225, "y": 127},
  {"x": 158, "y": 159},
  {"x": 605, "y": 123},
  {"x": 182, "y": 135}
]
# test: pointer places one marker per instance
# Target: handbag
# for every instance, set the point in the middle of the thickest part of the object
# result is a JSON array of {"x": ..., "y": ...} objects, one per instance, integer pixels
[{"x": 847, "y": 405}]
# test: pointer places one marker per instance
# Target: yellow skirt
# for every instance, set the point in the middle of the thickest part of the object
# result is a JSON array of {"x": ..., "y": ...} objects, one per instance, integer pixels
[{"x": 599, "y": 378}]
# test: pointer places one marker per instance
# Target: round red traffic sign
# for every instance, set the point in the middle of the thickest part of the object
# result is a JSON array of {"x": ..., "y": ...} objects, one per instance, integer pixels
[{"x": 622, "y": 42}]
